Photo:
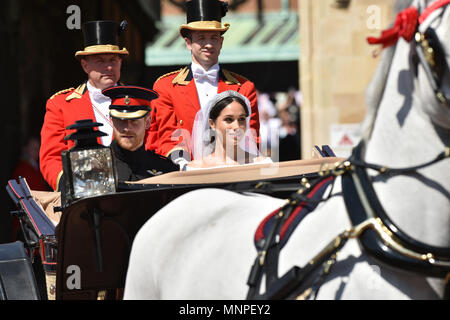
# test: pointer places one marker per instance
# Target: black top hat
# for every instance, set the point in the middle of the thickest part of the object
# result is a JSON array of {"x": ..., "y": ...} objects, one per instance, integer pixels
[
  {"x": 102, "y": 37},
  {"x": 205, "y": 15},
  {"x": 129, "y": 102}
]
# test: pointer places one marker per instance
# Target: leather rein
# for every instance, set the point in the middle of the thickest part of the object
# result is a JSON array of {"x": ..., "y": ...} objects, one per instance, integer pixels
[{"x": 378, "y": 235}]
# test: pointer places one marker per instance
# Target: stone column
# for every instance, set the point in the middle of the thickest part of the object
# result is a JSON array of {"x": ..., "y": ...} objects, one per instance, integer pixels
[{"x": 336, "y": 64}]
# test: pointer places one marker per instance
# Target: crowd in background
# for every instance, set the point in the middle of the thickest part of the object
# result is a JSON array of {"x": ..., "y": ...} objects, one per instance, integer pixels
[{"x": 279, "y": 116}]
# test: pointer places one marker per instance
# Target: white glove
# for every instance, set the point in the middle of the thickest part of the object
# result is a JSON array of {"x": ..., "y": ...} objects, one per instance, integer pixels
[{"x": 182, "y": 162}]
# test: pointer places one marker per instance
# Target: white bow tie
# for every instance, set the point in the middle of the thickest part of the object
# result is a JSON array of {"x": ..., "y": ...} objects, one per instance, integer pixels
[{"x": 202, "y": 75}]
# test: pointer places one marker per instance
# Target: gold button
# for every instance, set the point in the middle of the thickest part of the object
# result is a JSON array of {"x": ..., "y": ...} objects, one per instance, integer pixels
[{"x": 181, "y": 122}]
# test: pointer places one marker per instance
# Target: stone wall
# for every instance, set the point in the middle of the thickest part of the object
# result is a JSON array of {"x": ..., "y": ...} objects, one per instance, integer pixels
[{"x": 336, "y": 66}]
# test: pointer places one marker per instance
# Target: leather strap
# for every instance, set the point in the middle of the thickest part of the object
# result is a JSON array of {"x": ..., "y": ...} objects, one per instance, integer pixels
[{"x": 359, "y": 201}]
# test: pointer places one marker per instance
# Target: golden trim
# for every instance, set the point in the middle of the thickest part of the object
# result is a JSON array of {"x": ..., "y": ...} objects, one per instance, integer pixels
[
  {"x": 259, "y": 185},
  {"x": 229, "y": 78},
  {"x": 304, "y": 295},
  {"x": 61, "y": 92},
  {"x": 101, "y": 48},
  {"x": 168, "y": 74},
  {"x": 174, "y": 149},
  {"x": 101, "y": 295},
  {"x": 441, "y": 98},
  {"x": 386, "y": 235},
  {"x": 427, "y": 49},
  {"x": 58, "y": 179},
  {"x": 181, "y": 77},
  {"x": 324, "y": 169},
  {"x": 377, "y": 225},
  {"x": 78, "y": 93},
  {"x": 341, "y": 167},
  {"x": 128, "y": 115},
  {"x": 305, "y": 183},
  {"x": 205, "y": 26},
  {"x": 330, "y": 247},
  {"x": 262, "y": 257}
]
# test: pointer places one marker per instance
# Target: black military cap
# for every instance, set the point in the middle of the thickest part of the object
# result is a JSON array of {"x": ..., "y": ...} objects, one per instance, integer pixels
[{"x": 129, "y": 102}]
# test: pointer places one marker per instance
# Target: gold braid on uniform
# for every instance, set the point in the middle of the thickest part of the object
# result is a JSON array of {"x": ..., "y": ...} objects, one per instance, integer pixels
[
  {"x": 168, "y": 74},
  {"x": 239, "y": 75},
  {"x": 230, "y": 77},
  {"x": 61, "y": 92}
]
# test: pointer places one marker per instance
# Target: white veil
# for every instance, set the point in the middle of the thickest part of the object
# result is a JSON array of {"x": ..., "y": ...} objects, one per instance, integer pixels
[{"x": 201, "y": 132}]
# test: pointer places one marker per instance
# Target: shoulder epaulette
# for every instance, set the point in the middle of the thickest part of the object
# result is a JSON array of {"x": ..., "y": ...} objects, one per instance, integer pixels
[
  {"x": 240, "y": 76},
  {"x": 168, "y": 74},
  {"x": 230, "y": 77},
  {"x": 181, "y": 77},
  {"x": 61, "y": 92},
  {"x": 78, "y": 93}
]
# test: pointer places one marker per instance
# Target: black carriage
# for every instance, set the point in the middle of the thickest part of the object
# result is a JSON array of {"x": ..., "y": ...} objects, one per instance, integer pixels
[{"x": 83, "y": 248}]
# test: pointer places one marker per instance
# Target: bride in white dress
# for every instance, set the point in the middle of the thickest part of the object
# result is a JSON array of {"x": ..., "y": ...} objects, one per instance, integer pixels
[{"x": 221, "y": 135}]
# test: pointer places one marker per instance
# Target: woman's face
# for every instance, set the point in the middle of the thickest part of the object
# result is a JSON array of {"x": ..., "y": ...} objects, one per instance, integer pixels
[{"x": 231, "y": 124}]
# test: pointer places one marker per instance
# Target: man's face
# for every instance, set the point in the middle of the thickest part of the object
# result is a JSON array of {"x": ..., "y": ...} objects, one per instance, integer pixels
[
  {"x": 129, "y": 134},
  {"x": 103, "y": 70},
  {"x": 205, "y": 47}
]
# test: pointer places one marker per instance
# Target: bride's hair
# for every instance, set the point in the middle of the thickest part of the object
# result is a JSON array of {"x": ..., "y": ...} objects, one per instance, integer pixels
[{"x": 221, "y": 104}]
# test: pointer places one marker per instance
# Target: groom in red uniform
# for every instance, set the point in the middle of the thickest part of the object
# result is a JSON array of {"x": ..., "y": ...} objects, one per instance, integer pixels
[
  {"x": 101, "y": 59},
  {"x": 183, "y": 92}
]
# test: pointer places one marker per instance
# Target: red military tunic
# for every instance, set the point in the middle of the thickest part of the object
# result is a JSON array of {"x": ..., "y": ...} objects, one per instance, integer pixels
[
  {"x": 178, "y": 104},
  {"x": 63, "y": 109}
]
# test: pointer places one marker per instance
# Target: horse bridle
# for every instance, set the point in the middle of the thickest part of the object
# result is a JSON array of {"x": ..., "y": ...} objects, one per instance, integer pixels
[
  {"x": 427, "y": 48},
  {"x": 430, "y": 53},
  {"x": 432, "y": 57},
  {"x": 365, "y": 209},
  {"x": 378, "y": 235}
]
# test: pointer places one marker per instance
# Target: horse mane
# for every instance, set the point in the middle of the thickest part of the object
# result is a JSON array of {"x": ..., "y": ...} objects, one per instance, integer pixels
[{"x": 375, "y": 89}]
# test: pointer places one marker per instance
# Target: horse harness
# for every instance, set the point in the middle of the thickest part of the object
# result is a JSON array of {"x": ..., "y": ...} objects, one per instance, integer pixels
[
  {"x": 427, "y": 49},
  {"x": 377, "y": 234},
  {"x": 430, "y": 53}
]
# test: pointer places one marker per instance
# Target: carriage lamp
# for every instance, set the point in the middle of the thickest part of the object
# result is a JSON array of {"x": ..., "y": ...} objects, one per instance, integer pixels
[{"x": 88, "y": 166}]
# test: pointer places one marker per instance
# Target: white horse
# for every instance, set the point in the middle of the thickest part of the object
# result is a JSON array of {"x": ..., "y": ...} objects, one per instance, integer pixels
[{"x": 200, "y": 246}]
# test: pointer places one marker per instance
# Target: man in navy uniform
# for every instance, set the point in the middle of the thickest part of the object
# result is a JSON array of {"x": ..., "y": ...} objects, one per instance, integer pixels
[{"x": 130, "y": 114}]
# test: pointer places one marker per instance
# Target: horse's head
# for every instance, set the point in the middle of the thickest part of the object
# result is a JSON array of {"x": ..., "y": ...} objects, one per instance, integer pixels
[
  {"x": 425, "y": 61},
  {"x": 432, "y": 56}
]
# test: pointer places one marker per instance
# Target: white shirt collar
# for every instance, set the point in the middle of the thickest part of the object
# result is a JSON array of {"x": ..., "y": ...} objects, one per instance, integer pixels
[{"x": 96, "y": 94}]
